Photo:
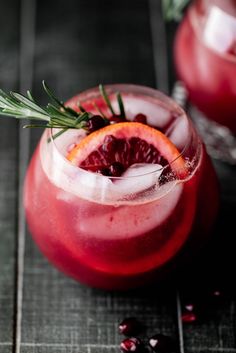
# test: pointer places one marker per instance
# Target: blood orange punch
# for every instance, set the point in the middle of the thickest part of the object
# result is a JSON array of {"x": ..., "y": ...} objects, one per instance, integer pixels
[
  {"x": 205, "y": 57},
  {"x": 116, "y": 200}
]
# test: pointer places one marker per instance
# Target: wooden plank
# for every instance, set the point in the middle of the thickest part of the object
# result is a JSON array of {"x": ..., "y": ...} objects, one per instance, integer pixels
[
  {"x": 8, "y": 195},
  {"x": 8, "y": 174},
  {"x": 26, "y": 30},
  {"x": 213, "y": 270},
  {"x": 159, "y": 45},
  {"x": 59, "y": 314},
  {"x": 6, "y": 348},
  {"x": 69, "y": 349}
]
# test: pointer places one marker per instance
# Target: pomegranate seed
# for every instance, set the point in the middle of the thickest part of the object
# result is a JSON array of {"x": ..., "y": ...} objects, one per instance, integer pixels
[
  {"x": 216, "y": 299},
  {"x": 140, "y": 118},
  {"x": 189, "y": 307},
  {"x": 96, "y": 122},
  {"x": 131, "y": 344},
  {"x": 130, "y": 326},
  {"x": 116, "y": 119},
  {"x": 217, "y": 293},
  {"x": 116, "y": 169},
  {"x": 188, "y": 317},
  {"x": 104, "y": 171},
  {"x": 162, "y": 343},
  {"x": 211, "y": 304}
]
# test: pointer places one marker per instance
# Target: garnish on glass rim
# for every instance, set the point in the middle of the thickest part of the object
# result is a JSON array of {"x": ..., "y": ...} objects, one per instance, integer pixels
[
  {"x": 173, "y": 9},
  {"x": 111, "y": 137},
  {"x": 55, "y": 114}
]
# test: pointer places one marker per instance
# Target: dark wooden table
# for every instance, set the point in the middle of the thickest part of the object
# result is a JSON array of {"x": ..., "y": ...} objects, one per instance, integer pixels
[{"x": 75, "y": 45}]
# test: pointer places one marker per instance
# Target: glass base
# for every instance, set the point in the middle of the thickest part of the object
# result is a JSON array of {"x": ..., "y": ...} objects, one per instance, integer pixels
[{"x": 219, "y": 140}]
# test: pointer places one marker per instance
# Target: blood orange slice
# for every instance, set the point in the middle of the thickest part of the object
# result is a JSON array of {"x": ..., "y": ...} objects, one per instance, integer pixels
[{"x": 114, "y": 148}]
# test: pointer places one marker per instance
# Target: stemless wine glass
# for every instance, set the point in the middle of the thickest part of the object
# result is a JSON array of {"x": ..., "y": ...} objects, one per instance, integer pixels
[
  {"x": 205, "y": 56},
  {"x": 121, "y": 232}
]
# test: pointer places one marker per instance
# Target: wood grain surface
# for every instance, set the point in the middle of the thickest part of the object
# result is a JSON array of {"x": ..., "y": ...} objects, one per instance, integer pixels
[
  {"x": 9, "y": 59},
  {"x": 75, "y": 45}
]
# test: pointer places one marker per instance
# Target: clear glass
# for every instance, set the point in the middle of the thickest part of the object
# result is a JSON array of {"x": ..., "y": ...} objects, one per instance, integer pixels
[
  {"x": 121, "y": 232},
  {"x": 205, "y": 56}
]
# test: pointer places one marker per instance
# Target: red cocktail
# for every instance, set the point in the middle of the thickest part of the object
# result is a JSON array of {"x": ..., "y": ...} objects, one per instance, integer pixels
[
  {"x": 121, "y": 231},
  {"x": 205, "y": 56}
]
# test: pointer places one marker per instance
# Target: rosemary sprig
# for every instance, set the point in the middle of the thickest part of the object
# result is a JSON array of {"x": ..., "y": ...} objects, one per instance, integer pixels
[
  {"x": 106, "y": 99},
  {"x": 55, "y": 114},
  {"x": 173, "y": 9}
]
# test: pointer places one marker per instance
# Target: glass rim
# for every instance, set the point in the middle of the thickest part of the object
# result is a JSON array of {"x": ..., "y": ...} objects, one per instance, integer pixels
[
  {"x": 192, "y": 13},
  {"x": 163, "y": 98}
]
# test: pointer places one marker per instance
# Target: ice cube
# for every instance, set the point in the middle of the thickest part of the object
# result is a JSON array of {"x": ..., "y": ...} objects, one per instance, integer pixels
[
  {"x": 216, "y": 37},
  {"x": 156, "y": 112},
  {"x": 178, "y": 133},
  {"x": 92, "y": 186},
  {"x": 137, "y": 178}
]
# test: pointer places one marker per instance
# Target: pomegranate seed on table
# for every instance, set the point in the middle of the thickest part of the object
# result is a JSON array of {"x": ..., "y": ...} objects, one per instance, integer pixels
[
  {"x": 189, "y": 307},
  {"x": 217, "y": 293},
  {"x": 132, "y": 344},
  {"x": 188, "y": 317},
  {"x": 161, "y": 343},
  {"x": 130, "y": 326}
]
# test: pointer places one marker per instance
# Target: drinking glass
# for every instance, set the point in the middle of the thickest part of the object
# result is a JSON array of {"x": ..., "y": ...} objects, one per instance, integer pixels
[
  {"x": 122, "y": 232},
  {"x": 205, "y": 57},
  {"x": 205, "y": 60}
]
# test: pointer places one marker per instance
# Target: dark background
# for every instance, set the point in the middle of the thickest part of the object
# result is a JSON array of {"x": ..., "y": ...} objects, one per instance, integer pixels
[{"x": 74, "y": 45}]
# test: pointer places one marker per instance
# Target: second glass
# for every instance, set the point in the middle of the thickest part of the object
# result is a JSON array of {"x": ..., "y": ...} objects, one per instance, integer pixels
[{"x": 205, "y": 57}]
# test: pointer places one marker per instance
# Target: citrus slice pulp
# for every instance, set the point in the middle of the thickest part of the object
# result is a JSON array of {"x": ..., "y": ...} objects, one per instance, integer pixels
[{"x": 124, "y": 144}]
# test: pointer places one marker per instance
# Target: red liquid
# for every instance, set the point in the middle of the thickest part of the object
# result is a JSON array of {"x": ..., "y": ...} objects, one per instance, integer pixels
[
  {"x": 208, "y": 66},
  {"x": 117, "y": 245}
]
